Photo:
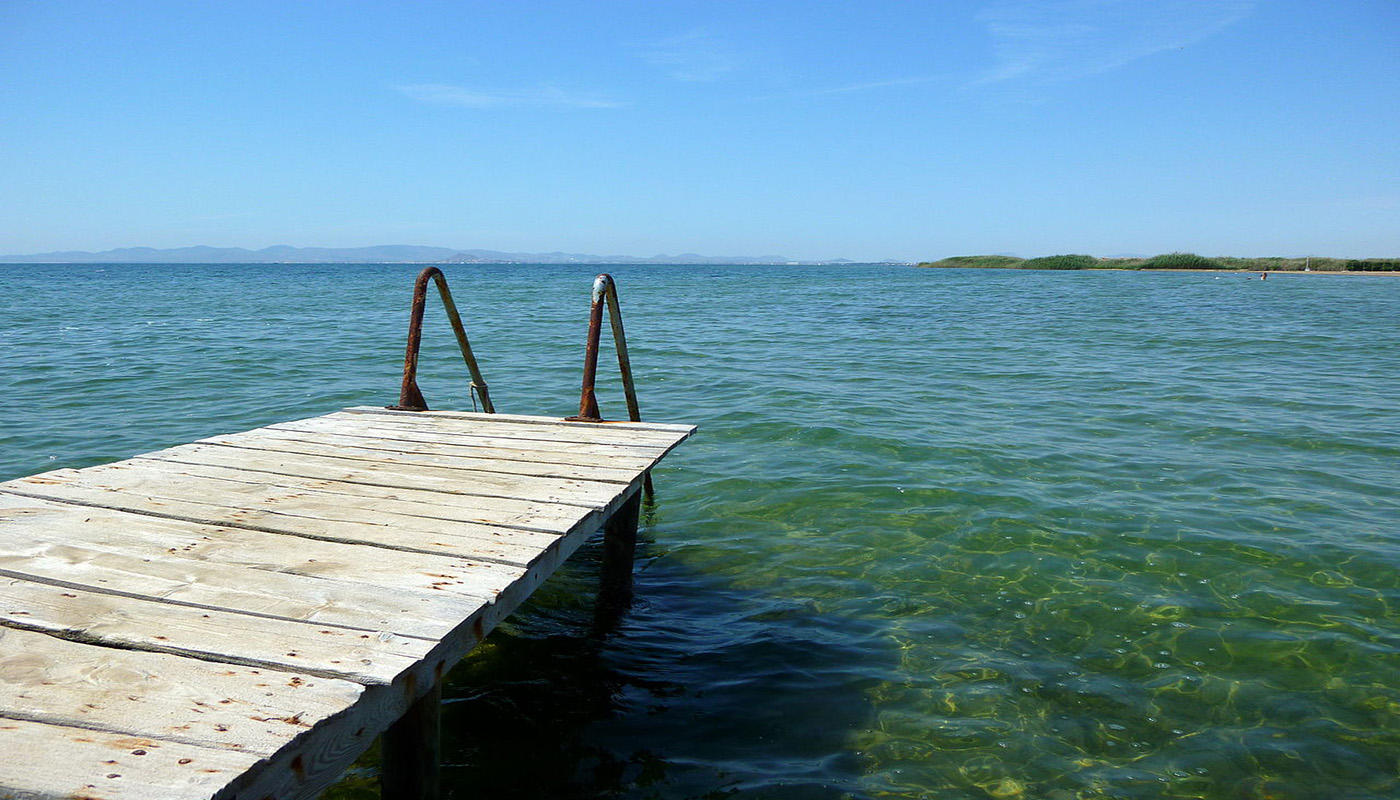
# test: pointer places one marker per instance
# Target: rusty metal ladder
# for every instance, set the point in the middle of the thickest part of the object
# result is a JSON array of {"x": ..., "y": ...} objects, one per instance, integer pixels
[
  {"x": 605, "y": 289},
  {"x": 604, "y": 294},
  {"x": 410, "y": 397}
]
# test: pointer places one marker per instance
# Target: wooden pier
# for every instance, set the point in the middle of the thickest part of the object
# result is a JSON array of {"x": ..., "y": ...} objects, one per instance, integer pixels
[{"x": 241, "y": 617}]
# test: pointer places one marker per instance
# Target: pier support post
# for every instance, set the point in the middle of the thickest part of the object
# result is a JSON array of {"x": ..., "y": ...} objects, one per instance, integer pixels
[
  {"x": 619, "y": 551},
  {"x": 411, "y": 751}
]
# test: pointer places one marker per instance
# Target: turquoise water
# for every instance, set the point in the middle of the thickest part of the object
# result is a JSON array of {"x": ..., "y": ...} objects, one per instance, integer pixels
[{"x": 948, "y": 534}]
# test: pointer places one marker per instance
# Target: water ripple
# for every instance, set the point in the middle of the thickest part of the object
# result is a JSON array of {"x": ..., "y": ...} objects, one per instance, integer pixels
[{"x": 954, "y": 534}]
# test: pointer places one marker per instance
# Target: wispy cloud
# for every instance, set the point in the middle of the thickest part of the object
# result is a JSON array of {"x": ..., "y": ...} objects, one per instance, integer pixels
[
  {"x": 1049, "y": 42},
  {"x": 543, "y": 97},
  {"x": 697, "y": 56}
]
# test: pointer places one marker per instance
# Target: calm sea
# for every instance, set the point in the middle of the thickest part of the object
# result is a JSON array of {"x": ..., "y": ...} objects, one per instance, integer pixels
[{"x": 945, "y": 534}]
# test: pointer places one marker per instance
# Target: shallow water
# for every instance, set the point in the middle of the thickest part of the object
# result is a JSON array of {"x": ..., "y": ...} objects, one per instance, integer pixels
[{"x": 953, "y": 534}]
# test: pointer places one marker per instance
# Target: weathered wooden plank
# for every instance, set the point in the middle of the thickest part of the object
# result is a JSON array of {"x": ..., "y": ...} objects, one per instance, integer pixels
[
  {"x": 433, "y": 537},
  {"x": 574, "y": 433},
  {"x": 435, "y": 479},
  {"x": 161, "y": 697},
  {"x": 560, "y": 429},
  {"x": 406, "y": 612},
  {"x": 392, "y": 430},
  {"x": 542, "y": 448},
  {"x": 520, "y": 464},
  {"x": 255, "y": 552},
  {"x": 62, "y": 763},
  {"x": 501, "y": 537},
  {"x": 308, "y": 729},
  {"x": 292, "y": 494},
  {"x": 668, "y": 428},
  {"x": 208, "y": 634},
  {"x": 306, "y": 492}
]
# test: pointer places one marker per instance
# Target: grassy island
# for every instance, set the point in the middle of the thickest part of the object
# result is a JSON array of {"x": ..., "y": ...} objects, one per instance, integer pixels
[{"x": 1173, "y": 261}]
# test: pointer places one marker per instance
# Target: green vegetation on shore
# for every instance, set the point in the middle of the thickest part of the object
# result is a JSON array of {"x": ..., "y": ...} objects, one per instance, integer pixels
[
  {"x": 1173, "y": 261},
  {"x": 1060, "y": 262},
  {"x": 977, "y": 262}
]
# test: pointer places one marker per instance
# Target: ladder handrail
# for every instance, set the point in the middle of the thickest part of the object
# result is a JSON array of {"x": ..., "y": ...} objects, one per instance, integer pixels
[
  {"x": 410, "y": 397},
  {"x": 605, "y": 290}
]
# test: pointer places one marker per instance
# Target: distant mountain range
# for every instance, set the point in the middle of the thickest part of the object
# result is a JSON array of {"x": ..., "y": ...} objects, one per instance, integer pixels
[{"x": 283, "y": 254}]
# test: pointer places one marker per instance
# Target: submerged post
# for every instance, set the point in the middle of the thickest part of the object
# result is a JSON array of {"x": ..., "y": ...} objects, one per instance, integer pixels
[
  {"x": 411, "y": 752},
  {"x": 410, "y": 397},
  {"x": 619, "y": 552}
]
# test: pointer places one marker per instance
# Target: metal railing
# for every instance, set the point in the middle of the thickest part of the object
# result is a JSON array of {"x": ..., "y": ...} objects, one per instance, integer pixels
[
  {"x": 605, "y": 291},
  {"x": 410, "y": 397}
]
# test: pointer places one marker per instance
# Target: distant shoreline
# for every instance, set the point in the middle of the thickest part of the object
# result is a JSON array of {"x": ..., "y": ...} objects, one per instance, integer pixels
[
  {"x": 721, "y": 264},
  {"x": 1177, "y": 262},
  {"x": 383, "y": 254}
]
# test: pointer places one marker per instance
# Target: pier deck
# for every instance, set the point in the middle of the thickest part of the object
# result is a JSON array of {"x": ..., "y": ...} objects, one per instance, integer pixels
[{"x": 242, "y": 616}]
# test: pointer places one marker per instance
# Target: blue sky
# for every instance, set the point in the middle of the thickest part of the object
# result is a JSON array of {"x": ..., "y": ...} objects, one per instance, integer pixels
[{"x": 815, "y": 130}]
